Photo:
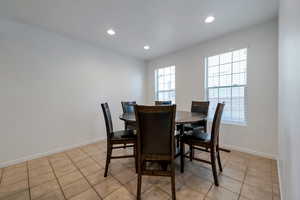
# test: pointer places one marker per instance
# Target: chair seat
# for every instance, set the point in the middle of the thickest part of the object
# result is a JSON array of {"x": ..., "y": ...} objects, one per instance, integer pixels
[
  {"x": 196, "y": 135},
  {"x": 123, "y": 135},
  {"x": 190, "y": 127}
]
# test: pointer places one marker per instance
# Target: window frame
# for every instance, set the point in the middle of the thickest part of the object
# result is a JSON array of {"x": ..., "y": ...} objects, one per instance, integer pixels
[
  {"x": 245, "y": 86},
  {"x": 156, "y": 83}
]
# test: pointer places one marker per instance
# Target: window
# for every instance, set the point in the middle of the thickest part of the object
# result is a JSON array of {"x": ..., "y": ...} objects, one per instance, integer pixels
[
  {"x": 165, "y": 84},
  {"x": 226, "y": 81}
]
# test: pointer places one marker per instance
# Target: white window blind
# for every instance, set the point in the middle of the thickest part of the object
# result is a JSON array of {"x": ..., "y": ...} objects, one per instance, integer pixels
[
  {"x": 165, "y": 84},
  {"x": 226, "y": 81}
]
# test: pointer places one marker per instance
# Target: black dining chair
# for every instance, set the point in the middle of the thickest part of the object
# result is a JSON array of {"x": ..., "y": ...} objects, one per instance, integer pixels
[
  {"x": 128, "y": 107},
  {"x": 163, "y": 103},
  {"x": 117, "y": 139},
  {"x": 155, "y": 142},
  {"x": 198, "y": 139}
]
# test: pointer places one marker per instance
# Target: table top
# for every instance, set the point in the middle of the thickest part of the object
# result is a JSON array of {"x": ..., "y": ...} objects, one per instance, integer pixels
[{"x": 182, "y": 117}]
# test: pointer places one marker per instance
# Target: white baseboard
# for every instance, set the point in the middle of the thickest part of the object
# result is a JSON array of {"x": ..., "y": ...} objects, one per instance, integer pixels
[
  {"x": 250, "y": 151},
  {"x": 39, "y": 155}
]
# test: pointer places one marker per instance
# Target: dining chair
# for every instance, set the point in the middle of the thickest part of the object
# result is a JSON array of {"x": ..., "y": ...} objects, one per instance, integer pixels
[
  {"x": 198, "y": 140},
  {"x": 202, "y": 108},
  {"x": 163, "y": 103},
  {"x": 117, "y": 139},
  {"x": 155, "y": 143},
  {"x": 128, "y": 107}
]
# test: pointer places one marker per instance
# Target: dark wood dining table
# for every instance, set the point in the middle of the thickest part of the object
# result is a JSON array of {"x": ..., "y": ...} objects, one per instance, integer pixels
[{"x": 182, "y": 118}]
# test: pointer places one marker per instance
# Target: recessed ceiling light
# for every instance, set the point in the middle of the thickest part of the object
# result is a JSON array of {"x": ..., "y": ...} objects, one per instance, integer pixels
[
  {"x": 111, "y": 32},
  {"x": 209, "y": 19},
  {"x": 146, "y": 47}
]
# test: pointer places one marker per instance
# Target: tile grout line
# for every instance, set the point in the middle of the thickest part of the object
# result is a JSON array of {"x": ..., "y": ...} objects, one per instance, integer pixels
[
  {"x": 83, "y": 175},
  {"x": 29, "y": 189},
  {"x": 60, "y": 187},
  {"x": 243, "y": 182}
]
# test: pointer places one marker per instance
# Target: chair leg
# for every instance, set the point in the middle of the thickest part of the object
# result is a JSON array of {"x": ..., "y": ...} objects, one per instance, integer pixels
[
  {"x": 135, "y": 158},
  {"x": 191, "y": 153},
  {"x": 126, "y": 126},
  {"x": 213, "y": 165},
  {"x": 139, "y": 187},
  {"x": 182, "y": 157},
  {"x": 108, "y": 155},
  {"x": 219, "y": 159},
  {"x": 173, "y": 184}
]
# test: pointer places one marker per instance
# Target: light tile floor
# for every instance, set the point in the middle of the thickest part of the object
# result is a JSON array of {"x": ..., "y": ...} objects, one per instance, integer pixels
[{"x": 77, "y": 174}]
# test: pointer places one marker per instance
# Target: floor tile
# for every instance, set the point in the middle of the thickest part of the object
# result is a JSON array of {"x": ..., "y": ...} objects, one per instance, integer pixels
[
  {"x": 22, "y": 165},
  {"x": 84, "y": 163},
  {"x": 233, "y": 173},
  {"x": 70, "y": 178},
  {"x": 37, "y": 163},
  {"x": 220, "y": 193},
  {"x": 187, "y": 193},
  {"x": 87, "y": 195},
  {"x": 40, "y": 171},
  {"x": 131, "y": 186},
  {"x": 14, "y": 178},
  {"x": 64, "y": 170},
  {"x": 37, "y": 180},
  {"x": 61, "y": 163},
  {"x": 255, "y": 193},
  {"x": 198, "y": 184},
  {"x": 259, "y": 180},
  {"x": 96, "y": 178},
  {"x": 107, "y": 187},
  {"x": 121, "y": 193},
  {"x": 76, "y": 188},
  {"x": 14, "y": 172},
  {"x": 7, "y": 190},
  {"x": 230, "y": 184},
  {"x": 43, "y": 189},
  {"x": 155, "y": 193},
  {"x": 23, "y": 195},
  {"x": 53, "y": 195},
  {"x": 91, "y": 169},
  {"x": 125, "y": 176}
]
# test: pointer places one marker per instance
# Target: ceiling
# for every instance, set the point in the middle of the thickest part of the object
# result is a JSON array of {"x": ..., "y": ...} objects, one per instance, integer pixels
[{"x": 165, "y": 25}]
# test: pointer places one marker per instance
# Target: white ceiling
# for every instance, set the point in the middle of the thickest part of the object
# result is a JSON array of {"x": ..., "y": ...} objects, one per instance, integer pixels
[{"x": 165, "y": 25}]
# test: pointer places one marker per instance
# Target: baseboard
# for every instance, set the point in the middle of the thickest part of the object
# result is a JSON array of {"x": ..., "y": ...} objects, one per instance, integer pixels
[
  {"x": 250, "y": 151},
  {"x": 39, "y": 155}
]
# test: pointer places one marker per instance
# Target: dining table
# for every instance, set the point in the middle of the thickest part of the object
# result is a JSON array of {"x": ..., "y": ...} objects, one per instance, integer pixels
[{"x": 181, "y": 118}]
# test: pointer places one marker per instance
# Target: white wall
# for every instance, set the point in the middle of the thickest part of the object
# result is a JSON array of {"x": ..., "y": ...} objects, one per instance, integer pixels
[
  {"x": 260, "y": 134},
  {"x": 289, "y": 99},
  {"x": 51, "y": 88}
]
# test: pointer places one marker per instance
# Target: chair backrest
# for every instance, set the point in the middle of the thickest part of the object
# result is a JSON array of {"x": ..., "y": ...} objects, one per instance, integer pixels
[
  {"x": 155, "y": 131},
  {"x": 108, "y": 120},
  {"x": 163, "y": 103},
  {"x": 215, "y": 130},
  {"x": 200, "y": 107},
  {"x": 128, "y": 106}
]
